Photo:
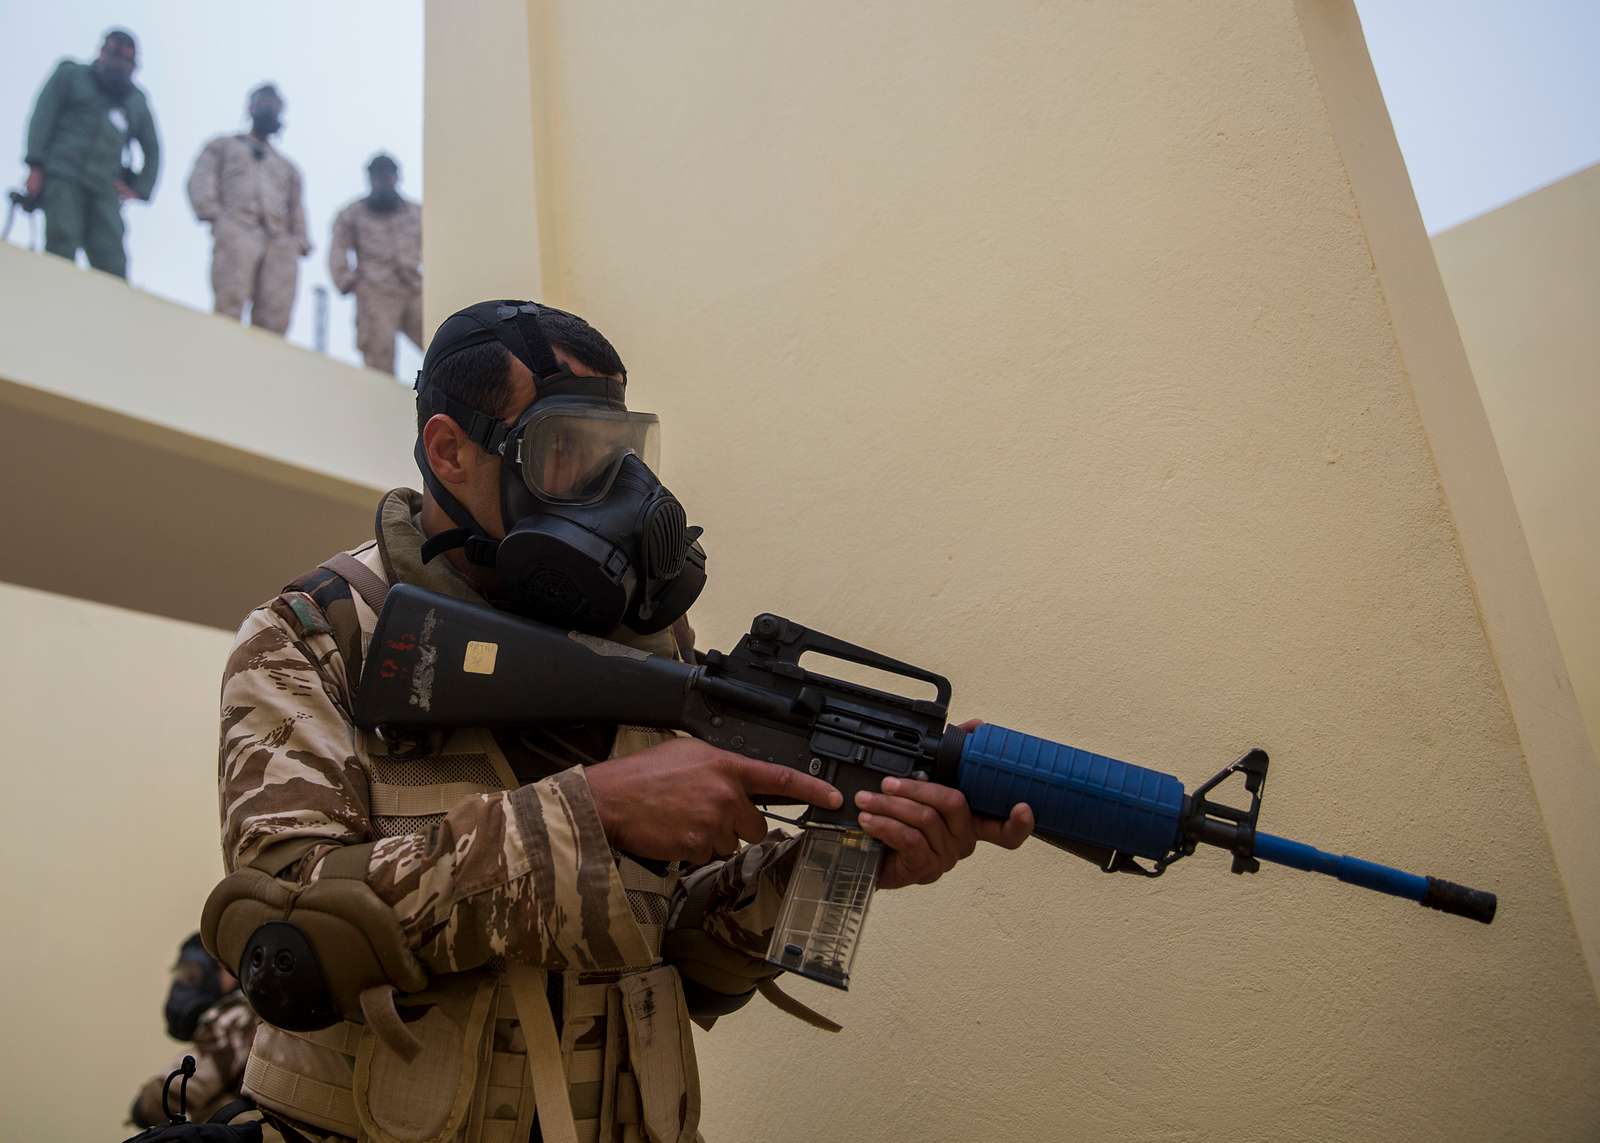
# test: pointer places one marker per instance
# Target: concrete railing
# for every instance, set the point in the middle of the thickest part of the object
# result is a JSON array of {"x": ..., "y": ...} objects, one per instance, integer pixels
[{"x": 172, "y": 461}]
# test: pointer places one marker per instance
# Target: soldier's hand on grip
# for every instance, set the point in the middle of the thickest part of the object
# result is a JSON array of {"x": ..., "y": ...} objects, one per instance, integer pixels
[
  {"x": 686, "y": 801},
  {"x": 928, "y": 827}
]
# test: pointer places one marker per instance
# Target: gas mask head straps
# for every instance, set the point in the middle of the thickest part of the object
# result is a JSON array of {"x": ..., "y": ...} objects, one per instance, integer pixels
[{"x": 514, "y": 325}]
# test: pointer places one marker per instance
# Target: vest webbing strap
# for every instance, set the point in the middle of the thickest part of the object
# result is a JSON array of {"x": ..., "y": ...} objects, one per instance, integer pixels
[
  {"x": 783, "y": 1002},
  {"x": 420, "y": 801},
  {"x": 550, "y": 1099},
  {"x": 343, "y": 1037},
  {"x": 366, "y": 582},
  {"x": 326, "y": 1102},
  {"x": 348, "y": 862}
]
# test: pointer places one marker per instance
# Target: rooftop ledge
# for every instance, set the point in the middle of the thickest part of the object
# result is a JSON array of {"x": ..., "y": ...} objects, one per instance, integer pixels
[{"x": 174, "y": 462}]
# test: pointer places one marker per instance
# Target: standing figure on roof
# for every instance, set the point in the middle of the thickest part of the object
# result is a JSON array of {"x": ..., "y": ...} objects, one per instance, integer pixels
[
  {"x": 80, "y": 157},
  {"x": 255, "y": 202},
  {"x": 377, "y": 253}
]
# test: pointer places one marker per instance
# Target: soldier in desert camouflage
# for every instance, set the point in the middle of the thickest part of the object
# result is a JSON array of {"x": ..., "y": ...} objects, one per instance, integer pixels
[
  {"x": 567, "y": 898},
  {"x": 255, "y": 202},
  {"x": 382, "y": 234},
  {"x": 204, "y": 1006}
]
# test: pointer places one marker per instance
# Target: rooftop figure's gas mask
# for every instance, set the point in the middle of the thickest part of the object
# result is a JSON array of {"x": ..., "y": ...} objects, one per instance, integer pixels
[{"x": 594, "y": 540}]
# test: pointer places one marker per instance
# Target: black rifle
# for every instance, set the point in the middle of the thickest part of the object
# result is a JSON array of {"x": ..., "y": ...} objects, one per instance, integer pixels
[
  {"x": 439, "y": 662},
  {"x": 29, "y": 204}
]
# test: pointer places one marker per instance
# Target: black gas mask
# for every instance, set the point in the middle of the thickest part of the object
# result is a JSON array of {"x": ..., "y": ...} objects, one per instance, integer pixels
[
  {"x": 594, "y": 540},
  {"x": 383, "y": 173},
  {"x": 113, "y": 70},
  {"x": 265, "y": 107},
  {"x": 196, "y": 986}
]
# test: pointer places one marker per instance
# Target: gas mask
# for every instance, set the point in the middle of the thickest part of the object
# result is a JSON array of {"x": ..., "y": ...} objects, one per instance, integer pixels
[
  {"x": 265, "y": 122},
  {"x": 265, "y": 108},
  {"x": 383, "y": 174},
  {"x": 115, "y": 78},
  {"x": 196, "y": 986},
  {"x": 594, "y": 540}
]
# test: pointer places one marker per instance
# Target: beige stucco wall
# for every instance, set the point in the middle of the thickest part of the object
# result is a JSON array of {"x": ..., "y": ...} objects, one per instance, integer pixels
[
  {"x": 1516, "y": 619},
  {"x": 1524, "y": 281},
  {"x": 177, "y": 464},
  {"x": 1084, "y": 352},
  {"x": 110, "y": 847}
]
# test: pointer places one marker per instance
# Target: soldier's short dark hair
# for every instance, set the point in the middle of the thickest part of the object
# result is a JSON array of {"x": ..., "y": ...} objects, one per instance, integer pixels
[
  {"x": 122, "y": 37},
  {"x": 480, "y": 375},
  {"x": 383, "y": 162}
]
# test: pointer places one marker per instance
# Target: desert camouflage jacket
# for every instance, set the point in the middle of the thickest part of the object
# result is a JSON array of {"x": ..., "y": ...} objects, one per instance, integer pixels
[
  {"x": 387, "y": 248},
  {"x": 523, "y": 874},
  {"x": 242, "y": 181},
  {"x": 221, "y": 1046}
]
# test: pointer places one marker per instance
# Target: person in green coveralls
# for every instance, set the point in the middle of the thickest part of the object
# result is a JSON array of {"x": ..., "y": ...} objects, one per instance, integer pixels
[{"x": 78, "y": 154}]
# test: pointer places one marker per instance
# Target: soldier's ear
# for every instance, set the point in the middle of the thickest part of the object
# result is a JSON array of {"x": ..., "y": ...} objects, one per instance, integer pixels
[{"x": 450, "y": 454}]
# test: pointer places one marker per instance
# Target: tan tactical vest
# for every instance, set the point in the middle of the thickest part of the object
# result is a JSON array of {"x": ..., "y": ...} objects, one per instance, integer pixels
[{"x": 624, "y": 1044}]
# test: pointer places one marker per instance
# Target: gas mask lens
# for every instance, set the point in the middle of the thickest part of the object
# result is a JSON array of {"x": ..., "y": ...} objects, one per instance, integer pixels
[{"x": 571, "y": 455}]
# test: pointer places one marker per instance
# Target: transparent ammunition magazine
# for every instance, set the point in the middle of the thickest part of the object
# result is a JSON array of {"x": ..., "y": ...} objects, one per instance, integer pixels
[{"x": 820, "y": 921}]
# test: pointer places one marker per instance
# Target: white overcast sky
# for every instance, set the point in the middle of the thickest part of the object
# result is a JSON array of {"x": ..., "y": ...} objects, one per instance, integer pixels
[
  {"x": 1490, "y": 100},
  {"x": 351, "y": 71}
]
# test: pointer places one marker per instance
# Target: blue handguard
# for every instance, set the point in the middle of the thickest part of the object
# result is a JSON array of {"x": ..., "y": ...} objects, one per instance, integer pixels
[
  {"x": 1075, "y": 795},
  {"x": 1088, "y": 798}
]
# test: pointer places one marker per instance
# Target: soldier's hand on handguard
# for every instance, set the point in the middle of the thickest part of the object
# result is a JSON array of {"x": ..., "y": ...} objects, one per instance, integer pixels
[
  {"x": 686, "y": 801},
  {"x": 35, "y": 184},
  {"x": 927, "y": 828}
]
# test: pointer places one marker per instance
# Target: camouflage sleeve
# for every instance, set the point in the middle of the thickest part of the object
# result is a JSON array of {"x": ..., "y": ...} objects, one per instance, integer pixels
[
  {"x": 222, "y": 1042},
  {"x": 287, "y": 772},
  {"x": 144, "y": 182},
  {"x": 525, "y": 874},
  {"x": 205, "y": 182},
  {"x": 742, "y": 893},
  {"x": 46, "y": 114},
  {"x": 339, "y": 248},
  {"x": 221, "y": 1046},
  {"x": 297, "y": 212}
]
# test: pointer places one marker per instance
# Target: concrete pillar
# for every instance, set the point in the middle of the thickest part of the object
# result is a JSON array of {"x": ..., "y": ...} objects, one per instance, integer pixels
[{"x": 483, "y": 241}]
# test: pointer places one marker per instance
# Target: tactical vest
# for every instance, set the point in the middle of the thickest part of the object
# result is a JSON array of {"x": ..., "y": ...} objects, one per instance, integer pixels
[{"x": 623, "y": 1044}]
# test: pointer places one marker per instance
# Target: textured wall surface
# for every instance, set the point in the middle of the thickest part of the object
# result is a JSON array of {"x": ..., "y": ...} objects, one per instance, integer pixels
[
  {"x": 480, "y": 128},
  {"x": 1047, "y": 346},
  {"x": 110, "y": 848},
  {"x": 1524, "y": 281},
  {"x": 1561, "y": 760}
]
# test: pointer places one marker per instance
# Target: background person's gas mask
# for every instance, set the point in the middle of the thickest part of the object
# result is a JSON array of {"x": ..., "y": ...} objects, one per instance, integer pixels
[
  {"x": 196, "y": 986},
  {"x": 594, "y": 540}
]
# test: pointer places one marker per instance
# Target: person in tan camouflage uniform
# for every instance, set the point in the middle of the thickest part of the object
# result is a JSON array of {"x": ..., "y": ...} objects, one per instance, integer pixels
[
  {"x": 570, "y": 896},
  {"x": 253, "y": 199},
  {"x": 383, "y": 231},
  {"x": 206, "y": 1008}
]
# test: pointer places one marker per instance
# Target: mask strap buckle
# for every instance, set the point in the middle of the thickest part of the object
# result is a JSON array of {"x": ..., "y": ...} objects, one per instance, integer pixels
[
  {"x": 487, "y": 432},
  {"x": 480, "y": 549}
]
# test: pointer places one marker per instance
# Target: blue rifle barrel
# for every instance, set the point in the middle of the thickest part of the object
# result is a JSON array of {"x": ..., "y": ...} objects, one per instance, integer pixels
[{"x": 1077, "y": 795}]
